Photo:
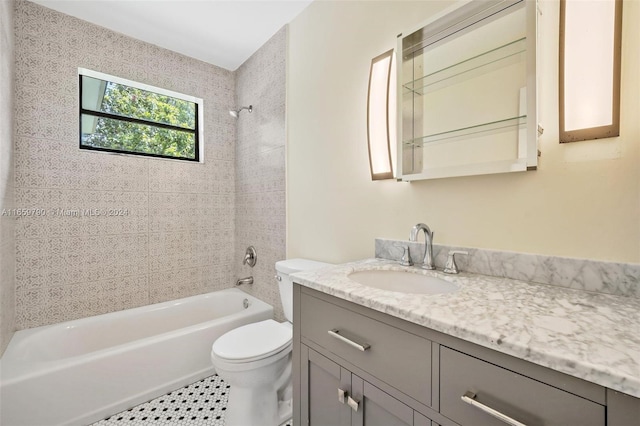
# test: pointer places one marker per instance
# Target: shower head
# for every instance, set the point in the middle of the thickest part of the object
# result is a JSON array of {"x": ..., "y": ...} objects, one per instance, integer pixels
[{"x": 236, "y": 112}]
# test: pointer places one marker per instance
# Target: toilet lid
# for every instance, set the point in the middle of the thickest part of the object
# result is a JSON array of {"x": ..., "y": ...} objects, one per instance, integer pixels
[{"x": 253, "y": 341}]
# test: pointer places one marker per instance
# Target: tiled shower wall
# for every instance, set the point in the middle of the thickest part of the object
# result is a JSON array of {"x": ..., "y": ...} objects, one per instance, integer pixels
[
  {"x": 178, "y": 237},
  {"x": 260, "y": 166},
  {"x": 7, "y": 240}
]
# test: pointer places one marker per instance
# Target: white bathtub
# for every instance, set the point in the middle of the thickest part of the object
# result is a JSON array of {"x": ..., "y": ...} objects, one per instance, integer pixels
[{"x": 81, "y": 371}]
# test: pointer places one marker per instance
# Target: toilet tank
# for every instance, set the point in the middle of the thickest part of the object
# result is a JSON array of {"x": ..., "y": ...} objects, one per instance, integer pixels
[{"x": 284, "y": 269}]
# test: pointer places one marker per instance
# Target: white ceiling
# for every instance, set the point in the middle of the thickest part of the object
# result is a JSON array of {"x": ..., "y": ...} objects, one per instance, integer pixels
[{"x": 222, "y": 32}]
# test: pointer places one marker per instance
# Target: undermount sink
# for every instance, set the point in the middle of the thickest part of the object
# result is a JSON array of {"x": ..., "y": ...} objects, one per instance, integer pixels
[{"x": 403, "y": 281}]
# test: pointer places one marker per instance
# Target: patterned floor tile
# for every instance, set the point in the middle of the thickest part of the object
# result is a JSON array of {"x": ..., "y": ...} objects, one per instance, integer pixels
[{"x": 203, "y": 403}]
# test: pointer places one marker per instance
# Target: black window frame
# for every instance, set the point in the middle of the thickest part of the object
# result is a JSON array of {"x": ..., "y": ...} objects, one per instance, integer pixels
[{"x": 196, "y": 131}]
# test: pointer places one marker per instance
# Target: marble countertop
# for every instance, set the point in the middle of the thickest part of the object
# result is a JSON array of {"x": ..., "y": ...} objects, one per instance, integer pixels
[{"x": 595, "y": 337}]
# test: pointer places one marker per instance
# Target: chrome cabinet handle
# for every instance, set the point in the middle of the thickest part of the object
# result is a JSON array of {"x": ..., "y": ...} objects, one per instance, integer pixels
[
  {"x": 353, "y": 403},
  {"x": 470, "y": 398},
  {"x": 342, "y": 394},
  {"x": 359, "y": 346}
]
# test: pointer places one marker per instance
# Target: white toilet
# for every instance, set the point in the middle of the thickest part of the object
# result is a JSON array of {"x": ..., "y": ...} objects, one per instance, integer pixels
[{"x": 255, "y": 360}]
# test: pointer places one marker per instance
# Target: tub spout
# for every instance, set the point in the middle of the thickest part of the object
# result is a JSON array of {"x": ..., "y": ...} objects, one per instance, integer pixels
[{"x": 247, "y": 280}]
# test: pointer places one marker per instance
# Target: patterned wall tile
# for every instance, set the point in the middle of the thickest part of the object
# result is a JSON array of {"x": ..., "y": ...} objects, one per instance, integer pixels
[
  {"x": 52, "y": 262},
  {"x": 261, "y": 171},
  {"x": 260, "y": 168},
  {"x": 179, "y": 236},
  {"x": 47, "y": 23},
  {"x": 7, "y": 223},
  {"x": 175, "y": 284},
  {"x": 68, "y": 302},
  {"x": 213, "y": 176},
  {"x": 56, "y": 213},
  {"x": 172, "y": 212},
  {"x": 198, "y": 247},
  {"x": 53, "y": 163},
  {"x": 7, "y": 292},
  {"x": 49, "y": 113}
]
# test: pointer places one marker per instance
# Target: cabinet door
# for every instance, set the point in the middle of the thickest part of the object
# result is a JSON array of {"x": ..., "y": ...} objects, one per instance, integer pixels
[
  {"x": 375, "y": 407},
  {"x": 321, "y": 381}
]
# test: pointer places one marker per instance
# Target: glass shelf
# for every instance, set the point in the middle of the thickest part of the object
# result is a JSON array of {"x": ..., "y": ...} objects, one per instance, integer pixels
[
  {"x": 486, "y": 128},
  {"x": 472, "y": 67}
]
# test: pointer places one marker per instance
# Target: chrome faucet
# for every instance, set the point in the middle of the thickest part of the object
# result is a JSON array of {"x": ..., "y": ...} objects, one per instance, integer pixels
[
  {"x": 247, "y": 280},
  {"x": 427, "y": 261}
]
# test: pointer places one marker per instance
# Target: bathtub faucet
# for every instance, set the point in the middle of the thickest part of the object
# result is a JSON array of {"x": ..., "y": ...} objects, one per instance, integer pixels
[
  {"x": 250, "y": 257},
  {"x": 247, "y": 280}
]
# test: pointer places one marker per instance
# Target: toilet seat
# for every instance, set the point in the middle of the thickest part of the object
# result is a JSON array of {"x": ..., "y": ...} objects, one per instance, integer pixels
[{"x": 252, "y": 342}]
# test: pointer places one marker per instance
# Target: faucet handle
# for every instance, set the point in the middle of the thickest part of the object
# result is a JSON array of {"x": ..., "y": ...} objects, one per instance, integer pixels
[
  {"x": 451, "y": 267},
  {"x": 406, "y": 257},
  {"x": 250, "y": 257}
]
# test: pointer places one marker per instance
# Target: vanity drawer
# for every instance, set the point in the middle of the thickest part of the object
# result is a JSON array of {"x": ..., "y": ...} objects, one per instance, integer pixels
[
  {"x": 526, "y": 400},
  {"x": 398, "y": 358}
]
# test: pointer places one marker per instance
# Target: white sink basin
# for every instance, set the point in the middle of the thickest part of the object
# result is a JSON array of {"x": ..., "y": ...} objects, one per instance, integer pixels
[{"x": 403, "y": 282}]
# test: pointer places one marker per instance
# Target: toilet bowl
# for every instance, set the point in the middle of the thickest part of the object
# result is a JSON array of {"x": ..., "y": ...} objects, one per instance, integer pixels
[{"x": 255, "y": 360}]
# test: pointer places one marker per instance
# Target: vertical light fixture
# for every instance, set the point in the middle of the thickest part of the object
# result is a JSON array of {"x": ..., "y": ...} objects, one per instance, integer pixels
[
  {"x": 590, "y": 43},
  {"x": 381, "y": 116}
]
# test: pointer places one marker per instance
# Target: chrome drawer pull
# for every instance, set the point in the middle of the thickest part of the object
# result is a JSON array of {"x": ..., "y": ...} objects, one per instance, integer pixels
[
  {"x": 353, "y": 404},
  {"x": 341, "y": 395},
  {"x": 470, "y": 398},
  {"x": 359, "y": 346}
]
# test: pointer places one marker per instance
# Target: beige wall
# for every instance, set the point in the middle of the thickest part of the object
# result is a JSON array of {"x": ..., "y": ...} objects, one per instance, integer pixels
[
  {"x": 7, "y": 223},
  {"x": 583, "y": 201}
]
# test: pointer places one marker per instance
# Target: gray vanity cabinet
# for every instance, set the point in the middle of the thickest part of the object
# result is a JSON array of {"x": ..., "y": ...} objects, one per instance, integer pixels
[
  {"x": 397, "y": 357},
  {"x": 377, "y": 408},
  {"x": 353, "y": 366},
  {"x": 348, "y": 368},
  {"x": 516, "y": 396},
  {"x": 336, "y": 396},
  {"x": 321, "y": 379}
]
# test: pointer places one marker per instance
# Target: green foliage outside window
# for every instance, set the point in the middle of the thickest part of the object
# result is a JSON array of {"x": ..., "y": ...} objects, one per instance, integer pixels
[{"x": 136, "y": 120}]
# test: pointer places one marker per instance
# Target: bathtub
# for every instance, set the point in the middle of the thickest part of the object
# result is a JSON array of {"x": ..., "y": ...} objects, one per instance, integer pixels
[{"x": 81, "y": 371}]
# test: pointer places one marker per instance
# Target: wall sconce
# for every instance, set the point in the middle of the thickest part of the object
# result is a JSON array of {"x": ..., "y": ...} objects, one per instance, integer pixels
[
  {"x": 590, "y": 43},
  {"x": 381, "y": 116}
]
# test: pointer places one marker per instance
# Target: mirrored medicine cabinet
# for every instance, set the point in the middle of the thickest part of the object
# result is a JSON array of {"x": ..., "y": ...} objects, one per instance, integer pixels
[{"x": 467, "y": 92}]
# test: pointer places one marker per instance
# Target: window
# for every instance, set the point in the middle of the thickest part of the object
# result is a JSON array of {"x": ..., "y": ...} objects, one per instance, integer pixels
[{"x": 118, "y": 115}]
